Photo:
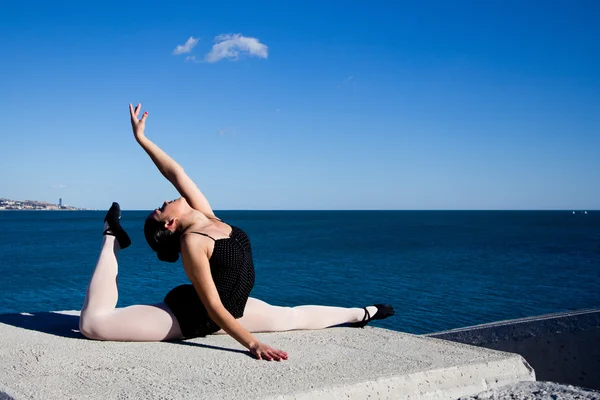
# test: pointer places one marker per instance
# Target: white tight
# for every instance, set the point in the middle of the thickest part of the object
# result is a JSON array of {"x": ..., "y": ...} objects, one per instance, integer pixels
[
  {"x": 262, "y": 317},
  {"x": 101, "y": 320}
]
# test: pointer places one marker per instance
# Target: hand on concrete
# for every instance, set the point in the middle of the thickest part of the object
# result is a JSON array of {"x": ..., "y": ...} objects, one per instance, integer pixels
[{"x": 264, "y": 352}]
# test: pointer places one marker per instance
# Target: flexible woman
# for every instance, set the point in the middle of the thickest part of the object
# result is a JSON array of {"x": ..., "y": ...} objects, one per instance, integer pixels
[{"x": 217, "y": 259}]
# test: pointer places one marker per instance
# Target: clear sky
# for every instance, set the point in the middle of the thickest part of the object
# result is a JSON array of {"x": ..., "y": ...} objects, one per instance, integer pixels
[{"x": 315, "y": 105}]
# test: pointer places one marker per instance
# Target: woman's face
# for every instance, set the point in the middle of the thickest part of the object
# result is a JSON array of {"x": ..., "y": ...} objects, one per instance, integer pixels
[{"x": 170, "y": 209}]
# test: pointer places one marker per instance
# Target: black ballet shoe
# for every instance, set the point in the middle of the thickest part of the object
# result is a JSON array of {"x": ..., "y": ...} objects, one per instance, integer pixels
[
  {"x": 113, "y": 216},
  {"x": 383, "y": 311}
]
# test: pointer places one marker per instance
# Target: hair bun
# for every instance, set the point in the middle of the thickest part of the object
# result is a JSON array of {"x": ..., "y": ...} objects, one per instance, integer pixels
[{"x": 168, "y": 256}]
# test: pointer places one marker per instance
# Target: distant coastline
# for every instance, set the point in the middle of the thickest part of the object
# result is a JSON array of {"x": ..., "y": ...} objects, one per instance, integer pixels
[{"x": 34, "y": 205}]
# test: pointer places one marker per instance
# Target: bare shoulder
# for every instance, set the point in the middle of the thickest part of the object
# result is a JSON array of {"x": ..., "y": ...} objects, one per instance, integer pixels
[{"x": 194, "y": 245}]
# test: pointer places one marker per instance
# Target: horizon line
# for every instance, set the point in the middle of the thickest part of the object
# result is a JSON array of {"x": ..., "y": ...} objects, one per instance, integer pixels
[{"x": 398, "y": 209}]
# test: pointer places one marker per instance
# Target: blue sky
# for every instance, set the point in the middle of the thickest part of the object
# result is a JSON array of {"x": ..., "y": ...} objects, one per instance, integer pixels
[{"x": 327, "y": 105}]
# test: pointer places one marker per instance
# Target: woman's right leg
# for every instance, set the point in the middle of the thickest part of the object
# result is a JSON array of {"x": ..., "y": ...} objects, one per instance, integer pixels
[{"x": 101, "y": 320}]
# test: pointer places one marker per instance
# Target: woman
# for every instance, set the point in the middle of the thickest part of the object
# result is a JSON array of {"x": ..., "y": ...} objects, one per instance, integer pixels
[{"x": 217, "y": 259}]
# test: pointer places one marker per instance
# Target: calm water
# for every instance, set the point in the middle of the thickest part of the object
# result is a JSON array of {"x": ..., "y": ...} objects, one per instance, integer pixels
[{"x": 440, "y": 269}]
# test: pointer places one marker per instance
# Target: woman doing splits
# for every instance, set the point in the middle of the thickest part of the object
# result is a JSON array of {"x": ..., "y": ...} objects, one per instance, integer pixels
[{"x": 217, "y": 258}]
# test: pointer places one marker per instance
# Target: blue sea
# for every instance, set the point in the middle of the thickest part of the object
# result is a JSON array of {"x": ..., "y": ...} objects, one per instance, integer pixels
[{"x": 439, "y": 269}]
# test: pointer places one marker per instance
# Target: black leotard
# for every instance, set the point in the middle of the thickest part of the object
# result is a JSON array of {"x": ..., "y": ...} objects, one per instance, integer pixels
[{"x": 232, "y": 269}]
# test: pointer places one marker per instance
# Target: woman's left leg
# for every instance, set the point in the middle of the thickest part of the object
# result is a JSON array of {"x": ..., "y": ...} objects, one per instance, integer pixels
[
  {"x": 262, "y": 317},
  {"x": 101, "y": 320}
]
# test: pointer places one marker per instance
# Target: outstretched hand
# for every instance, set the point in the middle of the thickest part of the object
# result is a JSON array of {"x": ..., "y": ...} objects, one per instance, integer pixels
[
  {"x": 264, "y": 352},
  {"x": 138, "y": 125}
]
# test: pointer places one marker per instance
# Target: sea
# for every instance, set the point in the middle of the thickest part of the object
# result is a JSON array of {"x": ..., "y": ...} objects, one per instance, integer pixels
[{"x": 439, "y": 269}]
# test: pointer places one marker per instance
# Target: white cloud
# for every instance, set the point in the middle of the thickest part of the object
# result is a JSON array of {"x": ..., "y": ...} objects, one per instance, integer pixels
[
  {"x": 226, "y": 131},
  {"x": 346, "y": 81},
  {"x": 187, "y": 47},
  {"x": 192, "y": 59},
  {"x": 231, "y": 46},
  {"x": 60, "y": 186}
]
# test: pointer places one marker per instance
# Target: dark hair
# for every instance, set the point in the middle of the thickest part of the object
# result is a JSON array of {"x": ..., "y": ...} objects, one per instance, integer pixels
[{"x": 163, "y": 241}]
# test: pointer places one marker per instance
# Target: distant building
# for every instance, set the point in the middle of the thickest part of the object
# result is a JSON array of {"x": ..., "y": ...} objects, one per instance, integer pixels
[{"x": 60, "y": 202}]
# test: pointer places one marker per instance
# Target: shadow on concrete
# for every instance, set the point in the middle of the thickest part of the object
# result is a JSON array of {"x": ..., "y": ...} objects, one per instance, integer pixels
[
  {"x": 67, "y": 326},
  {"x": 206, "y": 346},
  {"x": 48, "y": 322}
]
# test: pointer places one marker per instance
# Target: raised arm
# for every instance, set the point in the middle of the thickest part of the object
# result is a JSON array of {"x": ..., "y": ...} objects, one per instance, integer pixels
[
  {"x": 167, "y": 166},
  {"x": 197, "y": 268}
]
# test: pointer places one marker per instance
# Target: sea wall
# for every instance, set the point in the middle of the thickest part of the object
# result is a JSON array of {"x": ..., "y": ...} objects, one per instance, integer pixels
[
  {"x": 562, "y": 347},
  {"x": 43, "y": 356}
]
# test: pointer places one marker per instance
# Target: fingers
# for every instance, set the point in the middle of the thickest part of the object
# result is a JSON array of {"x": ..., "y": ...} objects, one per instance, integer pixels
[
  {"x": 134, "y": 113},
  {"x": 269, "y": 354},
  {"x": 144, "y": 116},
  {"x": 279, "y": 355},
  {"x": 276, "y": 355},
  {"x": 263, "y": 355},
  {"x": 282, "y": 355}
]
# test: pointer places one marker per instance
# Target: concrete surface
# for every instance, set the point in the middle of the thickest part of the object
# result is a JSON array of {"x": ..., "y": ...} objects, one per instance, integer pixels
[
  {"x": 562, "y": 347},
  {"x": 43, "y": 357},
  {"x": 536, "y": 391}
]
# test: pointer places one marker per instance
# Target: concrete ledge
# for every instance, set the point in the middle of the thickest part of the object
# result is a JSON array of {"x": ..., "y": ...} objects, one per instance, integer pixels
[
  {"x": 43, "y": 357},
  {"x": 561, "y": 347}
]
